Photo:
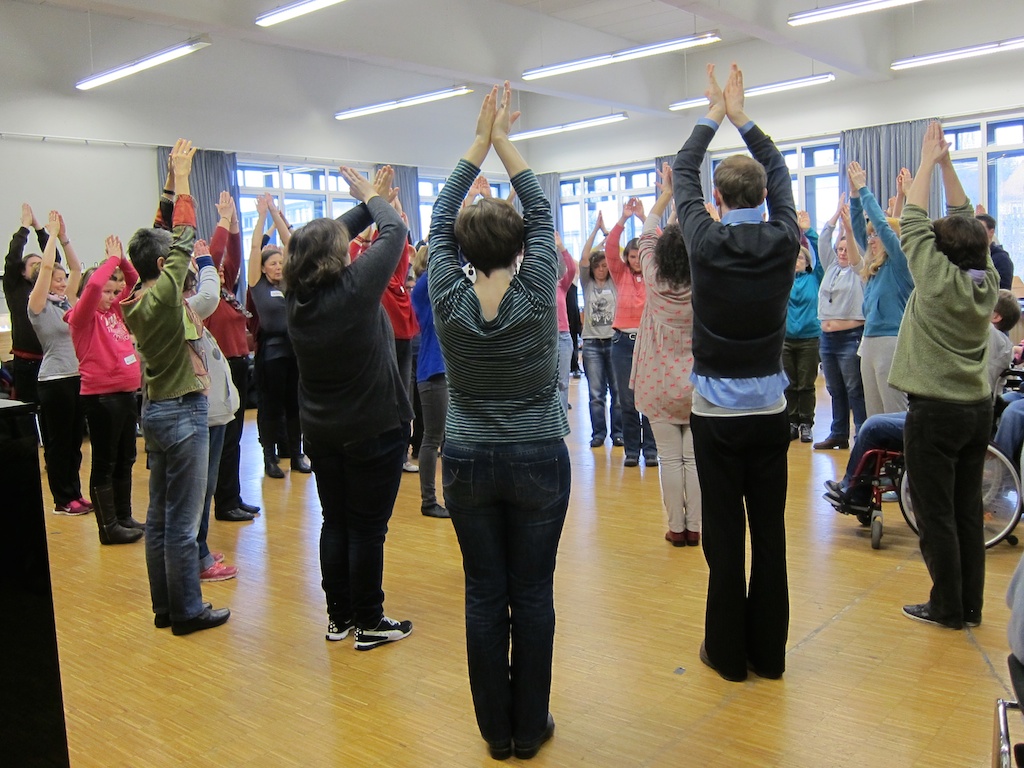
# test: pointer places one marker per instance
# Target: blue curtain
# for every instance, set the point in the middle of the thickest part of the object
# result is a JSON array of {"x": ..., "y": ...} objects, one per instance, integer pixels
[
  {"x": 212, "y": 173},
  {"x": 407, "y": 179}
]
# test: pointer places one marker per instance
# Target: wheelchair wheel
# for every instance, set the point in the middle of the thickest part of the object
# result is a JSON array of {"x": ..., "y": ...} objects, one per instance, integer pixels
[
  {"x": 876, "y": 533},
  {"x": 1000, "y": 494}
]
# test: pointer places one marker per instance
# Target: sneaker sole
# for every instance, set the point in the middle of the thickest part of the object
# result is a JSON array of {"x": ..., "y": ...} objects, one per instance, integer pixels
[
  {"x": 208, "y": 579},
  {"x": 336, "y": 636},
  {"x": 71, "y": 512},
  {"x": 366, "y": 644}
]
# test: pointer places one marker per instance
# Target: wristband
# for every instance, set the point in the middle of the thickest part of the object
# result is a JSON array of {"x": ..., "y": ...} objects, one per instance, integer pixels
[
  {"x": 65, "y": 243},
  {"x": 168, "y": 191}
]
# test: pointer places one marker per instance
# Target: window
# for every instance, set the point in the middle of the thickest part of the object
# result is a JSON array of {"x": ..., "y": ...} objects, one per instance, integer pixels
[{"x": 1006, "y": 133}]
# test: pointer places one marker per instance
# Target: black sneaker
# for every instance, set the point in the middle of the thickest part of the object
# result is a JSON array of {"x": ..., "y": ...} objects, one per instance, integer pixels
[
  {"x": 805, "y": 433},
  {"x": 387, "y": 631},
  {"x": 922, "y": 612},
  {"x": 794, "y": 432},
  {"x": 972, "y": 618},
  {"x": 338, "y": 630}
]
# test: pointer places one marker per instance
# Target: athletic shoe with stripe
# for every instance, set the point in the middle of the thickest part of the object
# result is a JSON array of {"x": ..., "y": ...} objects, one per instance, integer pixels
[{"x": 387, "y": 631}]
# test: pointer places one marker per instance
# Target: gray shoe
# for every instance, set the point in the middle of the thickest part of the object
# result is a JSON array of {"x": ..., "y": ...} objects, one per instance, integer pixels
[{"x": 436, "y": 510}]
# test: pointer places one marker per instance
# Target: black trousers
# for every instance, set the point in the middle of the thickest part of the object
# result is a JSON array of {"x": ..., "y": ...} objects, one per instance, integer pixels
[
  {"x": 742, "y": 466},
  {"x": 944, "y": 449},
  {"x": 228, "y": 494},
  {"x": 278, "y": 412},
  {"x": 64, "y": 421},
  {"x": 112, "y": 419}
]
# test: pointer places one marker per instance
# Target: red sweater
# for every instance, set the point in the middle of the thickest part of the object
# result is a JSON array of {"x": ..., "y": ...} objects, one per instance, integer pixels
[
  {"x": 107, "y": 359},
  {"x": 227, "y": 323},
  {"x": 396, "y": 300},
  {"x": 629, "y": 285}
]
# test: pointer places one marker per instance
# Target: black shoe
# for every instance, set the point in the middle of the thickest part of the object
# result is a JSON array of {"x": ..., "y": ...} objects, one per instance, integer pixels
[
  {"x": 435, "y": 511},
  {"x": 386, "y": 631},
  {"x": 270, "y": 469},
  {"x": 338, "y": 630},
  {"x": 618, "y": 441},
  {"x": 631, "y": 461},
  {"x": 301, "y": 464},
  {"x": 596, "y": 442},
  {"x": 500, "y": 751},
  {"x": 794, "y": 432},
  {"x": 650, "y": 459},
  {"x": 805, "y": 433},
  {"x": 835, "y": 487},
  {"x": 163, "y": 620},
  {"x": 707, "y": 662},
  {"x": 233, "y": 515},
  {"x": 131, "y": 522},
  {"x": 208, "y": 619},
  {"x": 921, "y": 612},
  {"x": 761, "y": 673},
  {"x": 252, "y": 509},
  {"x": 528, "y": 750},
  {"x": 972, "y": 618}
]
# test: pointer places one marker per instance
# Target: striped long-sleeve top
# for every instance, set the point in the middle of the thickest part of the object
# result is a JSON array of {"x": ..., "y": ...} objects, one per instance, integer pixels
[{"x": 502, "y": 373}]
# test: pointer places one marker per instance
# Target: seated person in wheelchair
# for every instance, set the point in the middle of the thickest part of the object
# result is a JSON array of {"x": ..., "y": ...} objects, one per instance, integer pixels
[{"x": 852, "y": 494}]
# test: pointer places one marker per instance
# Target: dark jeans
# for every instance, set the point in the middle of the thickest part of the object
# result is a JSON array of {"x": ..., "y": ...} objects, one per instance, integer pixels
[
  {"x": 885, "y": 431},
  {"x": 357, "y": 489},
  {"x": 508, "y": 504},
  {"x": 800, "y": 361},
  {"x": 112, "y": 419},
  {"x": 945, "y": 446},
  {"x": 841, "y": 366},
  {"x": 741, "y": 462},
  {"x": 26, "y": 377},
  {"x": 636, "y": 429},
  {"x": 597, "y": 364},
  {"x": 213, "y": 468},
  {"x": 64, "y": 421},
  {"x": 278, "y": 413},
  {"x": 228, "y": 494},
  {"x": 434, "y": 401}
]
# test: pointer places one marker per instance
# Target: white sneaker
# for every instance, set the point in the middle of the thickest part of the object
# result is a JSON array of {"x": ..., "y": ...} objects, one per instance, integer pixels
[{"x": 410, "y": 467}]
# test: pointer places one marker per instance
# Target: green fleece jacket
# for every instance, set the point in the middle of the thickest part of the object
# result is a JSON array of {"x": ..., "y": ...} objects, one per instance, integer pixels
[
  {"x": 154, "y": 316},
  {"x": 942, "y": 349}
]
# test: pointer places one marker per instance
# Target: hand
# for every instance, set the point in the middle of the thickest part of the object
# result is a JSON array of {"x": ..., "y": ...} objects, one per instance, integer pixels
[
  {"x": 903, "y": 182},
  {"x": 858, "y": 178},
  {"x": 504, "y": 118},
  {"x": 979, "y": 210},
  {"x": 710, "y": 208},
  {"x": 803, "y": 220},
  {"x": 201, "y": 248},
  {"x": 716, "y": 99},
  {"x": 627, "y": 210},
  {"x": 891, "y": 207},
  {"x": 261, "y": 205},
  {"x": 361, "y": 189},
  {"x": 27, "y": 217},
  {"x": 63, "y": 234},
  {"x": 558, "y": 241},
  {"x": 226, "y": 206},
  {"x": 114, "y": 247},
  {"x": 382, "y": 186},
  {"x": 734, "y": 97},
  {"x": 485, "y": 120},
  {"x": 666, "y": 179},
  {"x": 53, "y": 224},
  {"x": 638, "y": 209},
  {"x": 181, "y": 158},
  {"x": 271, "y": 202},
  {"x": 934, "y": 148},
  {"x": 599, "y": 224}
]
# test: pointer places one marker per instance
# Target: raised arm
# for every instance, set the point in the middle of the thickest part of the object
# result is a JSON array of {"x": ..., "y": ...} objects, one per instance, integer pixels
[
  {"x": 93, "y": 290},
  {"x": 664, "y": 201},
  {"x": 207, "y": 295},
  {"x": 255, "y": 272},
  {"x": 284, "y": 231},
  {"x": 37, "y": 298},
  {"x": 903, "y": 182},
  {"x": 74, "y": 264},
  {"x": 852, "y": 249},
  {"x": 377, "y": 265},
  {"x": 13, "y": 262},
  {"x": 167, "y": 289},
  {"x": 588, "y": 246},
  {"x": 504, "y": 119}
]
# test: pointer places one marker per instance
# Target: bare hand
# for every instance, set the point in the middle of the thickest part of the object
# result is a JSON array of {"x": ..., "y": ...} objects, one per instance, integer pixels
[
  {"x": 261, "y": 205},
  {"x": 890, "y": 209},
  {"x": 382, "y": 185},
  {"x": 903, "y": 181},
  {"x": 600, "y": 223},
  {"x": 666, "y": 179},
  {"x": 638, "y": 209},
  {"x": 485, "y": 120},
  {"x": 504, "y": 118},
  {"x": 226, "y": 206},
  {"x": 53, "y": 224},
  {"x": 558, "y": 241},
  {"x": 734, "y": 97},
  {"x": 710, "y": 208},
  {"x": 201, "y": 248},
  {"x": 114, "y": 247},
  {"x": 979, "y": 210},
  {"x": 361, "y": 189},
  {"x": 27, "y": 217},
  {"x": 271, "y": 202},
  {"x": 63, "y": 234},
  {"x": 716, "y": 99},
  {"x": 858, "y": 178},
  {"x": 934, "y": 148},
  {"x": 181, "y": 157},
  {"x": 841, "y": 204},
  {"x": 803, "y": 220}
]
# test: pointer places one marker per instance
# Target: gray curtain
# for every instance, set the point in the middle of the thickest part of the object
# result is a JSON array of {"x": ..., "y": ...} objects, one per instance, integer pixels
[
  {"x": 659, "y": 162},
  {"x": 407, "y": 179},
  {"x": 552, "y": 186},
  {"x": 882, "y": 150},
  {"x": 706, "y": 184},
  {"x": 212, "y": 173}
]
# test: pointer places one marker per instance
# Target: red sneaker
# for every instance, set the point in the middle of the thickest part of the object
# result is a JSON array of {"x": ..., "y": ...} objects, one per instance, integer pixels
[
  {"x": 85, "y": 503},
  {"x": 71, "y": 509},
  {"x": 219, "y": 572},
  {"x": 218, "y": 557}
]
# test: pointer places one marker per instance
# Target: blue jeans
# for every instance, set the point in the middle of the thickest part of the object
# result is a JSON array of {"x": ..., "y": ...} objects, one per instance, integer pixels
[
  {"x": 564, "y": 362},
  {"x": 636, "y": 429},
  {"x": 597, "y": 364},
  {"x": 841, "y": 366},
  {"x": 508, "y": 504},
  {"x": 177, "y": 440},
  {"x": 884, "y": 430},
  {"x": 213, "y": 471},
  {"x": 357, "y": 489}
]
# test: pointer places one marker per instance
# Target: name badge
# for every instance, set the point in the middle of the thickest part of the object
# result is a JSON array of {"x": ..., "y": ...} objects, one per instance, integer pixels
[
  {"x": 129, "y": 360},
  {"x": 276, "y": 294}
]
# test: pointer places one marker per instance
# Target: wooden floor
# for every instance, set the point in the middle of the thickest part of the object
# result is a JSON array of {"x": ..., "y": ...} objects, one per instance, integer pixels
[{"x": 863, "y": 686}]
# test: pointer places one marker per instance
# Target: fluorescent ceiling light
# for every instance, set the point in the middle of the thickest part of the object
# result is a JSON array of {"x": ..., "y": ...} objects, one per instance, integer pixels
[
  {"x": 842, "y": 10},
  {"x": 760, "y": 90},
  {"x": 287, "y": 12},
  {"x": 705, "y": 38},
  {"x": 588, "y": 123},
  {"x": 959, "y": 53},
  {"x": 387, "y": 106},
  {"x": 153, "y": 60}
]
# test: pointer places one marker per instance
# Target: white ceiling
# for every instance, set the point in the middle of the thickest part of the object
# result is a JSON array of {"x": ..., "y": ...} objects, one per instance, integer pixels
[{"x": 289, "y": 79}]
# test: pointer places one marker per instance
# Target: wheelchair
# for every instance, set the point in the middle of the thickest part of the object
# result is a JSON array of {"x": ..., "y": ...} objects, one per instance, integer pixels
[
  {"x": 1002, "y": 747},
  {"x": 884, "y": 470}
]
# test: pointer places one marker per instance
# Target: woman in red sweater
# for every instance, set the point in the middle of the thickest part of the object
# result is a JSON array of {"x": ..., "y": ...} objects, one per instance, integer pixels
[{"x": 111, "y": 375}]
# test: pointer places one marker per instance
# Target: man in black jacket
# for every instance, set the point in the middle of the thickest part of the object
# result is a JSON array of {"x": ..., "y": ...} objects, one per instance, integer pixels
[
  {"x": 1000, "y": 258},
  {"x": 742, "y": 271}
]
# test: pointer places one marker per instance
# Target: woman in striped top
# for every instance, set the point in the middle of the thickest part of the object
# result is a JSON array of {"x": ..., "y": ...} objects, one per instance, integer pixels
[{"x": 505, "y": 467}]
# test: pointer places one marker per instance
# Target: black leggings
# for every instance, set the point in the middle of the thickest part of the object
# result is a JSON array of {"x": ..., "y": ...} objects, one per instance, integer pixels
[
  {"x": 64, "y": 422},
  {"x": 112, "y": 419}
]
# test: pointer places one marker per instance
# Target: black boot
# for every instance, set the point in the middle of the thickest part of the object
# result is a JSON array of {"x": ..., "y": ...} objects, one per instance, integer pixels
[
  {"x": 111, "y": 532},
  {"x": 299, "y": 462},
  {"x": 270, "y": 467},
  {"x": 123, "y": 504}
]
